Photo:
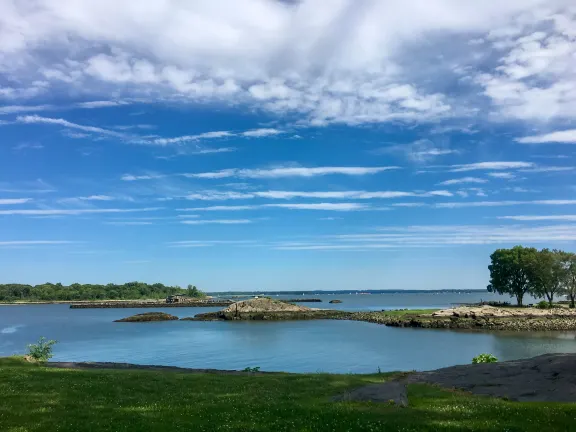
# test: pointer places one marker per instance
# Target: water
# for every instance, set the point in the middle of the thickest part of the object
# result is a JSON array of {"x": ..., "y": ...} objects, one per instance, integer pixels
[{"x": 293, "y": 346}]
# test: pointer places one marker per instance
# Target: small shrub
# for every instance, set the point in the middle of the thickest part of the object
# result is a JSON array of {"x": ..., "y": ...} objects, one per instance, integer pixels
[
  {"x": 41, "y": 351},
  {"x": 484, "y": 358},
  {"x": 253, "y": 369},
  {"x": 543, "y": 305}
]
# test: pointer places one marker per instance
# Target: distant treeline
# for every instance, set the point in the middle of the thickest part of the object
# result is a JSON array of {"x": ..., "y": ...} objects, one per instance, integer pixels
[{"x": 76, "y": 291}]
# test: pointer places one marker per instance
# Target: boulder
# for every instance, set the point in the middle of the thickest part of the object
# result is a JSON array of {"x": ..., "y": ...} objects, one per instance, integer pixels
[{"x": 148, "y": 317}]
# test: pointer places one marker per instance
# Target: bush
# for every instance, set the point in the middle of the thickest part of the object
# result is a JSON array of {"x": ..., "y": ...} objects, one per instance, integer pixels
[
  {"x": 252, "y": 369},
  {"x": 484, "y": 358},
  {"x": 543, "y": 305},
  {"x": 41, "y": 351}
]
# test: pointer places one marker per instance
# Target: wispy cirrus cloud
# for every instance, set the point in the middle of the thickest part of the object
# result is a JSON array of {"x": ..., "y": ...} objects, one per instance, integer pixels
[
  {"x": 434, "y": 236},
  {"x": 295, "y": 206},
  {"x": 559, "y": 137},
  {"x": 570, "y": 218},
  {"x": 488, "y": 166},
  {"x": 34, "y": 119},
  {"x": 17, "y": 109},
  {"x": 503, "y": 175},
  {"x": 287, "y": 195},
  {"x": 9, "y": 201},
  {"x": 503, "y": 203},
  {"x": 101, "y": 104},
  {"x": 75, "y": 212},
  {"x": 35, "y": 242},
  {"x": 253, "y": 133},
  {"x": 217, "y": 222},
  {"x": 463, "y": 180},
  {"x": 264, "y": 173}
]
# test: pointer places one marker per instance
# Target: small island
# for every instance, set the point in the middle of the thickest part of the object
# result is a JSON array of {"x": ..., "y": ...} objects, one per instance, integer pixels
[
  {"x": 267, "y": 309},
  {"x": 149, "y": 317},
  {"x": 335, "y": 301}
]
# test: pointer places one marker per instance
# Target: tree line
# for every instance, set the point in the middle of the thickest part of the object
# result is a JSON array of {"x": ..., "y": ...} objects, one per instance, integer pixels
[
  {"x": 522, "y": 271},
  {"x": 76, "y": 291}
]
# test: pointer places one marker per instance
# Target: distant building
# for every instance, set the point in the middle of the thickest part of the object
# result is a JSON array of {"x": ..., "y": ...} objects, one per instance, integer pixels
[{"x": 178, "y": 298}]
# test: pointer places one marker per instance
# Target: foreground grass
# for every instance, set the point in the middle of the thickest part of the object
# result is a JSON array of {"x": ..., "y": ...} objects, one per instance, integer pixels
[{"x": 36, "y": 398}]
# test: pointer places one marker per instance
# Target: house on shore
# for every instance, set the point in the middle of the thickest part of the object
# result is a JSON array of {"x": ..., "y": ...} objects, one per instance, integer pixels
[{"x": 178, "y": 298}]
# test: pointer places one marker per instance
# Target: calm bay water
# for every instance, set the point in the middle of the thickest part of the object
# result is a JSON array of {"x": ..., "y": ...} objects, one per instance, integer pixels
[{"x": 293, "y": 346}]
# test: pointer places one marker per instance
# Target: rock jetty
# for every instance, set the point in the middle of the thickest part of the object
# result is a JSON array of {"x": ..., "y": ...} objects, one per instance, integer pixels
[
  {"x": 148, "y": 317},
  {"x": 148, "y": 304},
  {"x": 266, "y": 309},
  {"x": 479, "y": 318}
]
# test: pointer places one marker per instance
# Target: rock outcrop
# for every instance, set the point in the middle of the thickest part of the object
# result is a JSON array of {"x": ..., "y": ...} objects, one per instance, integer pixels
[
  {"x": 335, "y": 301},
  {"x": 265, "y": 309},
  {"x": 496, "y": 312},
  {"x": 546, "y": 378},
  {"x": 148, "y": 317}
]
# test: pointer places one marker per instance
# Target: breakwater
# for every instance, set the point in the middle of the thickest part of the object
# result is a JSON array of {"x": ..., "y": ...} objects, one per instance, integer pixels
[{"x": 120, "y": 305}]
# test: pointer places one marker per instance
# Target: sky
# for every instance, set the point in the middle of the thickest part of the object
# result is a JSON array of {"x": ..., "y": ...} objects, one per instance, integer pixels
[{"x": 279, "y": 145}]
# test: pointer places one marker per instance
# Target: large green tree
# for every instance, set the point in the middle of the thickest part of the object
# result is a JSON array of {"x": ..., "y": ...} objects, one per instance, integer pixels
[
  {"x": 511, "y": 272},
  {"x": 568, "y": 263},
  {"x": 549, "y": 274}
]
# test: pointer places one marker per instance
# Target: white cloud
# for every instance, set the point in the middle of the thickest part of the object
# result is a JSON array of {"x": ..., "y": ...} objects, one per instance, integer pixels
[
  {"x": 571, "y": 218},
  {"x": 503, "y": 175},
  {"x": 420, "y": 151},
  {"x": 295, "y": 206},
  {"x": 16, "y": 109},
  {"x": 547, "y": 169},
  {"x": 217, "y": 221},
  {"x": 463, "y": 180},
  {"x": 490, "y": 166},
  {"x": 100, "y": 104},
  {"x": 51, "y": 212},
  {"x": 215, "y": 195},
  {"x": 291, "y": 172},
  {"x": 61, "y": 122},
  {"x": 28, "y": 146},
  {"x": 34, "y": 242},
  {"x": 88, "y": 198},
  {"x": 258, "y": 133},
  {"x": 8, "y": 201},
  {"x": 350, "y": 63},
  {"x": 559, "y": 137},
  {"x": 122, "y": 223},
  {"x": 504, "y": 203}
]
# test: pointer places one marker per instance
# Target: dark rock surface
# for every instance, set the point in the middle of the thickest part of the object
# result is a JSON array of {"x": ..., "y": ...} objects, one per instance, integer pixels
[
  {"x": 335, "y": 301},
  {"x": 549, "y": 377},
  {"x": 148, "y": 317},
  {"x": 546, "y": 378}
]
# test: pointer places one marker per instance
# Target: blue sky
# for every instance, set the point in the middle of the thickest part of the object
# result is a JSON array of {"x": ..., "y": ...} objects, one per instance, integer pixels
[{"x": 280, "y": 145}]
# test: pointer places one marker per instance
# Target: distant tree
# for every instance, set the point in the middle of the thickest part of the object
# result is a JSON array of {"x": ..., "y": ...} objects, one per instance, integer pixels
[
  {"x": 192, "y": 291},
  {"x": 511, "y": 272},
  {"x": 548, "y": 273}
]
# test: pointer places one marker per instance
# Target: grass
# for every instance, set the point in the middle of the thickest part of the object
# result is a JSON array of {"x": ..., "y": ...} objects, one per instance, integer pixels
[{"x": 37, "y": 398}]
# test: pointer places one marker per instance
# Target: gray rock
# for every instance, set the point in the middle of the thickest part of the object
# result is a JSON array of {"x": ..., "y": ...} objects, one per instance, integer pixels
[{"x": 550, "y": 377}]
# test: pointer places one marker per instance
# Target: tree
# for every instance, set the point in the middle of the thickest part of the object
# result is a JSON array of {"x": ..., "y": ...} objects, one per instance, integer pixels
[
  {"x": 548, "y": 274},
  {"x": 510, "y": 271},
  {"x": 568, "y": 262},
  {"x": 193, "y": 291}
]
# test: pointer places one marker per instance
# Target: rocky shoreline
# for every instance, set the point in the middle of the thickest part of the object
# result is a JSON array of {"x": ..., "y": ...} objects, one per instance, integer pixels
[{"x": 503, "y": 324}]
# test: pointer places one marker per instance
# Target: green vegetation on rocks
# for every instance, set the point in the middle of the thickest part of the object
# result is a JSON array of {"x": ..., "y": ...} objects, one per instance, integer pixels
[
  {"x": 149, "y": 316},
  {"x": 38, "y": 398},
  {"x": 76, "y": 291}
]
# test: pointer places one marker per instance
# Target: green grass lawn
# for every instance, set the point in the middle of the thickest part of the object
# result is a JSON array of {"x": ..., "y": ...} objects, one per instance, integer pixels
[{"x": 36, "y": 398}]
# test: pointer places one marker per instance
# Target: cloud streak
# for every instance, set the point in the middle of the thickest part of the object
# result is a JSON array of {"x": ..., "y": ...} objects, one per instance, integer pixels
[
  {"x": 74, "y": 212},
  {"x": 559, "y": 137}
]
